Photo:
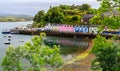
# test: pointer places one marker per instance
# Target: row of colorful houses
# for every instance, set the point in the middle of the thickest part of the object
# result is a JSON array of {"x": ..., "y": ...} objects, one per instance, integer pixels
[
  {"x": 78, "y": 28},
  {"x": 71, "y": 28}
]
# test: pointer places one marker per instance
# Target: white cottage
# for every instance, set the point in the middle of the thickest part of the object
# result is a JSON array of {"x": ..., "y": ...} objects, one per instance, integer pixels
[{"x": 93, "y": 29}]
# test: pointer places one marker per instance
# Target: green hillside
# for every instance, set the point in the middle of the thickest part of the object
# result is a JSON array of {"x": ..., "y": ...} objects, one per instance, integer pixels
[
  {"x": 67, "y": 14},
  {"x": 15, "y": 17}
]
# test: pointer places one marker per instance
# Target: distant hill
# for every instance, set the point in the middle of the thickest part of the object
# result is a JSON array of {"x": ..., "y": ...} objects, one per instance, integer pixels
[
  {"x": 2, "y": 14},
  {"x": 14, "y": 17}
]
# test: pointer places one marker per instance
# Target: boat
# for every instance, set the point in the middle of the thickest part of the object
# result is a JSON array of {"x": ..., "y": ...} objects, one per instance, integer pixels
[
  {"x": 21, "y": 41},
  {"x": 5, "y": 31},
  {"x": 7, "y": 42},
  {"x": 9, "y": 36},
  {"x": 14, "y": 31},
  {"x": 4, "y": 35}
]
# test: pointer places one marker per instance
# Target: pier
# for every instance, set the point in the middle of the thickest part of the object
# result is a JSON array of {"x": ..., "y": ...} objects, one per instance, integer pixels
[{"x": 64, "y": 34}]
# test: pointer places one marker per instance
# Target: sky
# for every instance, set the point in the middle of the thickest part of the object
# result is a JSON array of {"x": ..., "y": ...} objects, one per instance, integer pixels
[{"x": 31, "y": 7}]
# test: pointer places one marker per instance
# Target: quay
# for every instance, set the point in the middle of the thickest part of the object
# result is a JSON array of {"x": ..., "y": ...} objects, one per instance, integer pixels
[
  {"x": 87, "y": 31},
  {"x": 64, "y": 34}
]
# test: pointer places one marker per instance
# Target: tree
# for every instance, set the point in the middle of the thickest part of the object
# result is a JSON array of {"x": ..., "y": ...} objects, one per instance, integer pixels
[
  {"x": 47, "y": 17},
  {"x": 107, "y": 5},
  {"x": 85, "y": 7},
  {"x": 36, "y": 55},
  {"x": 65, "y": 7},
  {"x": 39, "y": 16},
  {"x": 107, "y": 55},
  {"x": 92, "y": 11},
  {"x": 56, "y": 15},
  {"x": 75, "y": 19},
  {"x": 62, "y": 14},
  {"x": 38, "y": 19},
  {"x": 107, "y": 52},
  {"x": 102, "y": 18},
  {"x": 111, "y": 22},
  {"x": 97, "y": 19}
]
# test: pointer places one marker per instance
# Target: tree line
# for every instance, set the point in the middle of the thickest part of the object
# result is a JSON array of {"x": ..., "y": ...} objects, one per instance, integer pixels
[
  {"x": 74, "y": 14},
  {"x": 67, "y": 14}
]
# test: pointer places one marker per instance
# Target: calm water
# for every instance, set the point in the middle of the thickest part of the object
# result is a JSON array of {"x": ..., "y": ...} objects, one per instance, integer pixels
[
  {"x": 15, "y": 38},
  {"x": 69, "y": 47}
]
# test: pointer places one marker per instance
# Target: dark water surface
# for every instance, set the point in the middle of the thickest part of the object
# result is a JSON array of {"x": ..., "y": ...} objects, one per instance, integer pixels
[{"x": 69, "y": 47}]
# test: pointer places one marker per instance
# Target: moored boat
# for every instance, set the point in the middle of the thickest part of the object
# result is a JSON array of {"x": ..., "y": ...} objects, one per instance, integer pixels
[
  {"x": 9, "y": 36},
  {"x": 5, "y": 31},
  {"x": 14, "y": 31},
  {"x": 21, "y": 41},
  {"x": 7, "y": 42}
]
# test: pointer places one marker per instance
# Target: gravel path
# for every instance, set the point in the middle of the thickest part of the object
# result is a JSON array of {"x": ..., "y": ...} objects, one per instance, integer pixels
[{"x": 82, "y": 64}]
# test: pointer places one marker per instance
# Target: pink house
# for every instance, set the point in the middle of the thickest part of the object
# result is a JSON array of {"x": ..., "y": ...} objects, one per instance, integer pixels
[
  {"x": 61, "y": 28},
  {"x": 66, "y": 28}
]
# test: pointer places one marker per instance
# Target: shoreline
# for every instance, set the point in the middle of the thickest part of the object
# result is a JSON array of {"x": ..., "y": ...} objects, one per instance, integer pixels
[
  {"x": 16, "y": 21},
  {"x": 80, "y": 63}
]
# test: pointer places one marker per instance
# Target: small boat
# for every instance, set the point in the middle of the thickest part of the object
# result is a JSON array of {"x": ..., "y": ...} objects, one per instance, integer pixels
[
  {"x": 21, "y": 41},
  {"x": 7, "y": 42},
  {"x": 14, "y": 31},
  {"x": 5, "y": 31},
  {"x": 4, "y": 35},
  {"x": 9, "y": 36}
]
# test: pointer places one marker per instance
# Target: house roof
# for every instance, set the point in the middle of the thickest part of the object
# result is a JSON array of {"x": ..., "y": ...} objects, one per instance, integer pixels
[{"x": 87, "y": 17}]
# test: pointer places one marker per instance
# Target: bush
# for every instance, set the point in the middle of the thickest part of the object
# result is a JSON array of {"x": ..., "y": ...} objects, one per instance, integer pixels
[
  {"x": 33, "y": 56},
  {"x": 107, "y": 55}
]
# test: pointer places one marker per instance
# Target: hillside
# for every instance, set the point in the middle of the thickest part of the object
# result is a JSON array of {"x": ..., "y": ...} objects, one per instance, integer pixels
[
  {"x": 14, "y": 17},
  {"x": 67, "y": 14}
]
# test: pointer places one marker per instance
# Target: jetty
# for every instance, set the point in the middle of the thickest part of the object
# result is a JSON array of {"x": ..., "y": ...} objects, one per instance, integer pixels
[
  {"x": 87, "y": 31},
  {"x": 64, "y": 34}
]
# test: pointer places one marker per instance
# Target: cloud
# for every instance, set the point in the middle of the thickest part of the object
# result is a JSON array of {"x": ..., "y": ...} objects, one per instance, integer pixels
[{"x": 33, "y": 6}]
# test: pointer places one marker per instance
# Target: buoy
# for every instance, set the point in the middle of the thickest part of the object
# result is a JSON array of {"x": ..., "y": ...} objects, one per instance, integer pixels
[{"x": 9, "y": 39}]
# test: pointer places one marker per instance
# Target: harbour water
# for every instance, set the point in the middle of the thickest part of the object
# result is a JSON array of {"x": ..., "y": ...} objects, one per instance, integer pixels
[
  {"x": 69, "y": 47},
  {"x": 15, "y": 38}
]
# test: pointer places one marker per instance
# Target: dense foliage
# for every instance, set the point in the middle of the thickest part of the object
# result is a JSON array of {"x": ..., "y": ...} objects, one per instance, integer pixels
[
  {"x": 112, "y": 22},
  {"x": 108, "y": 14},
  {"x": 107, "y": 55},
  {"x": 33, "y": 56},
  {"x": 107, "y": 5},
  {"x": 107, "y": 52},
  {"x": 63, "y": 14}
]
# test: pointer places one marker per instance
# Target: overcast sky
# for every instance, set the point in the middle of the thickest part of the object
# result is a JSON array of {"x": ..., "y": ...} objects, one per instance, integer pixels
[{"x": 31, "y": 7}]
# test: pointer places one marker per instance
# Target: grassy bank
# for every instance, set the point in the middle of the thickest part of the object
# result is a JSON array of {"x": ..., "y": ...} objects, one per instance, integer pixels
[{"x": 80, "y": 63}]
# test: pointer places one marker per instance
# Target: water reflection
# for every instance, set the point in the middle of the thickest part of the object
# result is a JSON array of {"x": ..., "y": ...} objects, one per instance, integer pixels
[{"x": 68, "y": 45}]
